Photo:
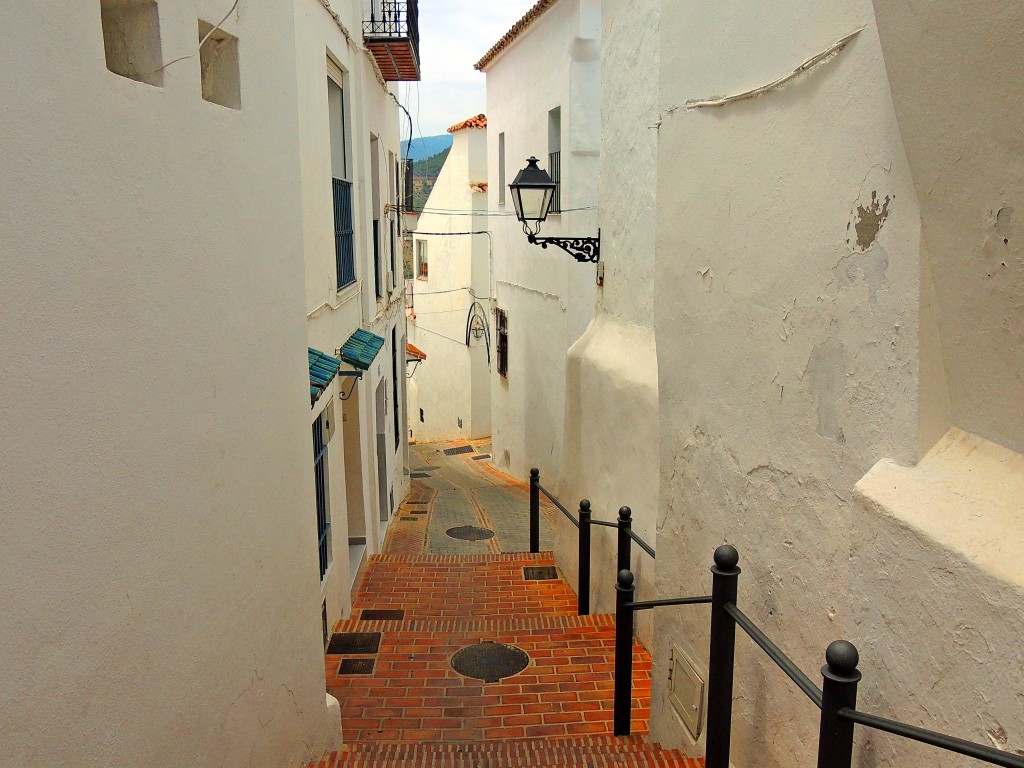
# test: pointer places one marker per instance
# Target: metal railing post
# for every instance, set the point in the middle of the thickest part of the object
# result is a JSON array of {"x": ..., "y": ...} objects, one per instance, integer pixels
[
  {"x": 624, "y": 590},
  {"x": 625, "y": 542},
  {"x": 725, "y": 587},
  {"x": 835, "y": 737},
  {"x": 583, "y": 588},
  {"x": 534, "y": 510}
]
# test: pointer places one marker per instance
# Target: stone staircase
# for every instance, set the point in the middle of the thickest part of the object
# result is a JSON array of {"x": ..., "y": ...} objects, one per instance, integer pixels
[
  {"x": 593, "y": 752},
  {"x": 390, "y": 665},
  {"x": 414, "y": 711}
]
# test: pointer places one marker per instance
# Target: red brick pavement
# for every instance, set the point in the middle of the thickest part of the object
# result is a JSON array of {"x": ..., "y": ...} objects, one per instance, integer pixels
[
  {"x": 414, "y": 710},
  {"x": 463, "y": 586}
]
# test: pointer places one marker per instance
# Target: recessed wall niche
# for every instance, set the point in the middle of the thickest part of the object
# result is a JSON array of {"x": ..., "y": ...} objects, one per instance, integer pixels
[
  {"x": 218, "y": 63},
  {"x": 131, "y": 39}
]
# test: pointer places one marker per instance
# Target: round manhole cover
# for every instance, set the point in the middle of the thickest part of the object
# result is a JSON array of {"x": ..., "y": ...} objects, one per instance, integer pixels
[
  {"x": 469, "y": 533},
  {"x": 489, "y": 661}
]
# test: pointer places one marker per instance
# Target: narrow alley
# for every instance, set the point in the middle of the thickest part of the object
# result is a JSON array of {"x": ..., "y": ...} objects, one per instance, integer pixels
[{"x": 456, "y": 586}]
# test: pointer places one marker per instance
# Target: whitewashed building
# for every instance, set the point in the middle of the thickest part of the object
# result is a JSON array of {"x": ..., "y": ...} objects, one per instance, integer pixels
[
  {"x": 543, "y": 99},
  {"x": 352, "y": 177},
  {"x": 807, "y": 345},
  {"x": 838, "y": 353},
  {"x": 168, "y": 242},
  {"x": 449, "y": 394}
]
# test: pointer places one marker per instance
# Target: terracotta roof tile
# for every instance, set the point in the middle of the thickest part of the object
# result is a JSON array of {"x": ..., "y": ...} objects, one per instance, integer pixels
[
  {"x": 480, "y": 121},
  {"x": 518, "y": 28}
]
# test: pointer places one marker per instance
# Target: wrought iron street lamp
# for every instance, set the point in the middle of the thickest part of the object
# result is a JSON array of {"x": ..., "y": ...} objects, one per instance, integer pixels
[{"x": 532, "y": 192}]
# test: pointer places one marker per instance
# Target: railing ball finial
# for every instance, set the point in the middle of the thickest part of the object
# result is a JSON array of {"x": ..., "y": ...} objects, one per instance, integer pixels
[
  {"x": 534, "y": 472},
  {"x": 842, "y": 658},
  {"x": 625, "y": 579},
  {"x": 625, "y": 513},
  {"x": 584, "y": 505},
  {"x": 727, "y": 557}
]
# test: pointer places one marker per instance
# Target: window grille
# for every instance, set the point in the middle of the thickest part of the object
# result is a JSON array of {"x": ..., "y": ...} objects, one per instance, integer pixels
[
  {"x": 555, "y": 171},
  {"x": 323, "y": 512},
  {"x": 501, "y": 323},
  {"x": 394, "y": 385},
  {"x": 377, "y": 271},
  {"x": 344, "y": 239}
]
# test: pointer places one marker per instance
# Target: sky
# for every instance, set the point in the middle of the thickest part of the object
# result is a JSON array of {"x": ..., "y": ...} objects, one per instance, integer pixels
[{"x": 454, "y": 35}]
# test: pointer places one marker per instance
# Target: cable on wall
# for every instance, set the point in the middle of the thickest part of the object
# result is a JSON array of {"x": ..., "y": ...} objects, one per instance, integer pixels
[{"x": 202, "y": 42}]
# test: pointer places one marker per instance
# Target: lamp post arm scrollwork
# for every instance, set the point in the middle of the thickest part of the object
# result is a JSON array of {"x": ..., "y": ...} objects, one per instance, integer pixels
[{"x": 583, "y": 249}]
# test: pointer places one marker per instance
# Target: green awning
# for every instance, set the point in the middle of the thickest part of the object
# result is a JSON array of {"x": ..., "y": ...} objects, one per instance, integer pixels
[
  {"x": 361, "y": 348},
  {"x": 322, "y": 370}
]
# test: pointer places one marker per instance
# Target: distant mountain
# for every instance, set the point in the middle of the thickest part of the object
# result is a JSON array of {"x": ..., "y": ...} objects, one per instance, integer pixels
[
  {"x": 427, "y": 146},
  {"x": 424, "y": 174}
]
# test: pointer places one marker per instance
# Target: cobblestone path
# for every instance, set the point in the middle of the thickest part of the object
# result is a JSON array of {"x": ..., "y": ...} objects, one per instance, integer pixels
[{"x": 464, "y": 490}]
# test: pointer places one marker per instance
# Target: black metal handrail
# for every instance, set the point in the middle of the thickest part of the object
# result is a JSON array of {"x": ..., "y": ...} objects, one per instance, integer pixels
[
  {"x": 837, "y": 698},
  {"x": 558, "y": 504},
  {"x": 934, "y": 738},
  {"x": 803, "y": 682},
  {"x": 584, "y": 523}
]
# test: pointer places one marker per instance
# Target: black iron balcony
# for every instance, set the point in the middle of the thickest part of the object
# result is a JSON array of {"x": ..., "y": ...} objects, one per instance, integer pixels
[{"x": 392, "y": 35}]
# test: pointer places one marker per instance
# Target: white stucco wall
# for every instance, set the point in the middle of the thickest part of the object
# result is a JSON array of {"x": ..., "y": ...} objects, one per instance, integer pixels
[
  {"x": 453, "y": 384},
  {"x": 160, "y": 585},
  {"x": 969, "y": 175},
  {"x": 549, "y": 297},
  {"x": 370, "y": 111},
  {"x": 788, "y": 352},
  {"x": 824, "y": 313},
  {"x": 611, "y": 416}
]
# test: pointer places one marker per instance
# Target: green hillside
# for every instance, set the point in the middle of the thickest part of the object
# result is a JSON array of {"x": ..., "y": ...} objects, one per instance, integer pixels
[{"x": 424, "y": 174}]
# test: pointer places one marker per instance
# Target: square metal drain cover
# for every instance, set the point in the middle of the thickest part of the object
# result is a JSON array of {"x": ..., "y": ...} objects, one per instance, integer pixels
[
  {"x": 483, "y": 456},
  {"x": 411, "y": 519},
  {"x": 419, "y": 512},
  {"x": 354, "y": 642},
  {"x": 382, "y": 614},
  {"x": 420, "y": 474},
  {"x": 540, "y": 573},
  {"x": 416, "y": 503},
  {"x": 356, "y": 667},
  {"x": 458, "y": 449}
]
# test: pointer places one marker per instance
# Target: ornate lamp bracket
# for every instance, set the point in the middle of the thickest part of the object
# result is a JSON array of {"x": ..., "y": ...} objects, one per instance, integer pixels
[{"x": 583, "y": 249}]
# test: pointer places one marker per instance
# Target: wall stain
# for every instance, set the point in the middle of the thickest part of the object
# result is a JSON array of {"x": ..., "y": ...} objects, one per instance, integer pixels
[
  {"x": 869, "y": 220},
  {"x": 825, "y": 375}
]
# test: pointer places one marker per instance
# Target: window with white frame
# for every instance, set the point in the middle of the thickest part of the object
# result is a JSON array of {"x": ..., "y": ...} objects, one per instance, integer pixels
[{"x": 421, "y": 259}]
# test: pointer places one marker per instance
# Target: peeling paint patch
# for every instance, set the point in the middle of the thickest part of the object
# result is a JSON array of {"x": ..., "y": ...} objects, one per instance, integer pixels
[
  {"x": 707, "y": 278},
  {"x": 825, "y": 376},
  {"x": 868, "y": 220}
]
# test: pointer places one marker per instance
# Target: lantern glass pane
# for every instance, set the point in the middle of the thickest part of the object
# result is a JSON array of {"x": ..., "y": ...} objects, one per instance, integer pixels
[{"x": 534, "y": 203}]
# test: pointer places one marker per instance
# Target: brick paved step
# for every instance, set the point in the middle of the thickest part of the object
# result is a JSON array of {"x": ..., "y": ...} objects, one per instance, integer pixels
[
  {"x": 549, "y": 753},
  {"x": 413, "y": 694},
  {"x": 469, "y": 587}
]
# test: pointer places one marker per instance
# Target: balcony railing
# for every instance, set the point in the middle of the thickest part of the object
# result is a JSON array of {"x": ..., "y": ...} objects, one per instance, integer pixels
[{"x": 392, "y": 34}]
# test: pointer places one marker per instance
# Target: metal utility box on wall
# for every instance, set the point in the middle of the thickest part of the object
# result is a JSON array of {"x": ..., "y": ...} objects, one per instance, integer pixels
[{"x": 686, "y": 691}]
